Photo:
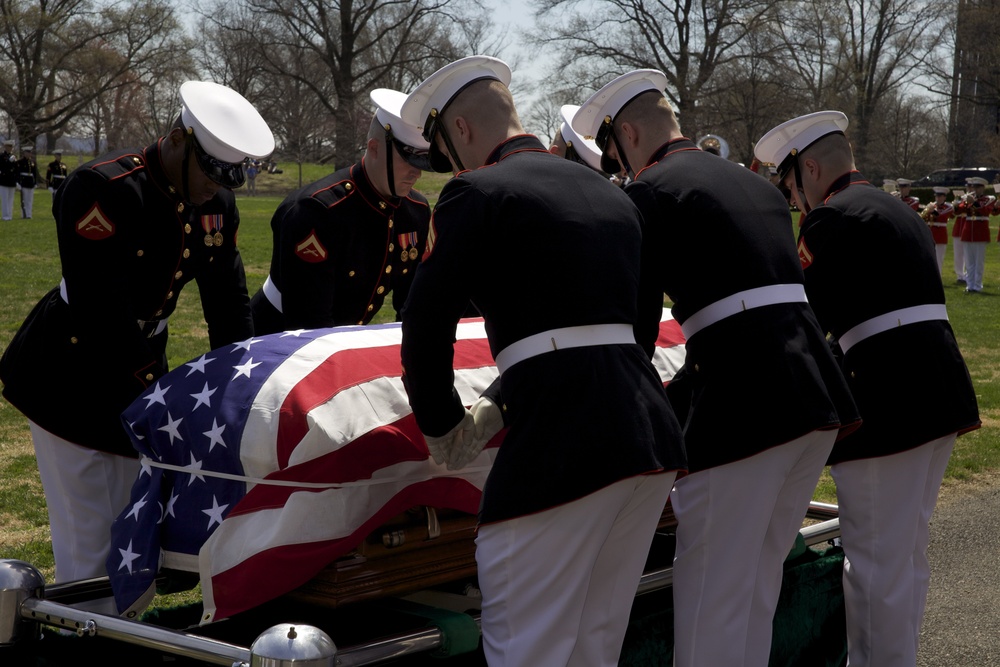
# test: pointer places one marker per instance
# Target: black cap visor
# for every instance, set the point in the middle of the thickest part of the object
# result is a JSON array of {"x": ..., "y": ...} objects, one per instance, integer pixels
[{"x": 226, "y": 174}]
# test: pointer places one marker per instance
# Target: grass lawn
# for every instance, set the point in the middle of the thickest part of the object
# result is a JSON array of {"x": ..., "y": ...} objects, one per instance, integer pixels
[{"x": 29, "y": 267}]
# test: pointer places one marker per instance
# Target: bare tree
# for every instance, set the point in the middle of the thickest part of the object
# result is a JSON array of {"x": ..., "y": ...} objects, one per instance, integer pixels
[
  {"x": 689, "y": 41},
  {"x": 47, "y": 48}
]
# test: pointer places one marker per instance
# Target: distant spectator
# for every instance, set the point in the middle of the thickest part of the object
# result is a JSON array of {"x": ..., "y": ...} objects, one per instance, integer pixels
[
  {"x": 27, "y": 178},
  {"x": 253, "y": 168},
  {"x": 8, "y": 180},
  {"x": 56, "y": 173}
]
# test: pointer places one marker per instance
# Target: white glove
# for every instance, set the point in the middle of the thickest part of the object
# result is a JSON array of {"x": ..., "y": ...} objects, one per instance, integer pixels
[
  {"x": 488, "y": 422},
  {"x": 441, "y": 447}
]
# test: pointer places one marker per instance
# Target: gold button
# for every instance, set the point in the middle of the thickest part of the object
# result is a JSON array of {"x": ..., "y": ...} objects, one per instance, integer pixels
[
  {"x": 361, "y": 321},
  {"x": 405, "y": 271},
  {"x": 696, "y": 368},
  {"x": 187, "y": 252},
  {"x": 187, "y": 229},
  {"x": 158, "y": 313},
  {"x": 139, "y": 253},
  {"x": 136, "y": 160},
  {"x": 852, "y": 373},
  {"x": 388, "y": 269},
  {"x": 381, "y": 205},
  {"x": 391, "y": 247},
  {"x": 350, "y": 273},
  {"x": 212, "y": 258},
  {"x": 390, "y": 223},
  {"x": 180, "y": 209},
  {"x": 505, "y": 407},
  {"x": 74, "y": 340},
  {"x": 170, "y": 294},
  {"x": 380, "y": 289},
  {"x": 347, "y": 186},
  {"x": 370, "y": 308},
  {"x": 172, "y": 189},
  {"x": 149, "y": 377},
  {"x": 177, "y": 276}
]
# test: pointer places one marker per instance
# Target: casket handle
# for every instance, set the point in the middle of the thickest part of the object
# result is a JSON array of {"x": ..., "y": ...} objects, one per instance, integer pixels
[{"x": 433, "y": 525}]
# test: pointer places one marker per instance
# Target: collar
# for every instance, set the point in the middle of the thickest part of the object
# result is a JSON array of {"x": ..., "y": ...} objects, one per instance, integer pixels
[
  {"x": 673, "y": 146},
  {"x": 853, "y": 177},
  {"x": 154, "y": 167},
  {"x": 359, "y": 175},
  {"x": 515, "y": 144}
]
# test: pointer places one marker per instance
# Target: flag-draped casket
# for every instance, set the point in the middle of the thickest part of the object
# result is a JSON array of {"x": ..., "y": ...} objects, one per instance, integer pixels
[{"x": 266, "y": 460}]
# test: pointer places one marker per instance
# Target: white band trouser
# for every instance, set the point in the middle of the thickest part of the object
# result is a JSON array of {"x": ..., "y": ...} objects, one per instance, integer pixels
[
  {"x": 272, "y": 293},
  {"x": 7, "y": 202},
  {"x": 975, "y": 264},
  {"x": 885, "y": 505},
  {"x": 730, "y": 553},
  {"x": 85, "y": 490},
  {"x": 558, "y": 585},
  {"x": 561, "y": 339},
  {"x": 768, "y": 295},
  {"x": 891, "y": 320},
  {"x": 158, "y": 326}
]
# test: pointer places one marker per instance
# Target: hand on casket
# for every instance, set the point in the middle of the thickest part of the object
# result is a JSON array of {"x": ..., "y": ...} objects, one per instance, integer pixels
[{"x": 443, "y": 448}]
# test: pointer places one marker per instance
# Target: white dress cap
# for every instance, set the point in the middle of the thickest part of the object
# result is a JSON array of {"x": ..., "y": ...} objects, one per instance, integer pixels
[
  {"x": 976, "y": 180},
  {"x": 437, "y": 90},
  {"x": 225, "y": 124},
  {"x": 613, "y": 97},
  {"x": 798, "y": 134},
  {"x": 388, "y": 103},
  {"x": 586, "y": 148},
  {"x": 940, "y": 190},
  {"x": 903, "y": 181},
  {"x": 891, "y": 182}
]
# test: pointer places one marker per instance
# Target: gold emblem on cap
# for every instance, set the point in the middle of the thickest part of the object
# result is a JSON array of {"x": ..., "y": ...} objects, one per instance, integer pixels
[{"x": 413, "y": 253}]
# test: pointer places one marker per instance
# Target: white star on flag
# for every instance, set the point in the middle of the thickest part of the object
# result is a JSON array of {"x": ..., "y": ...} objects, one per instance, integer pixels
[
  {"x": 127, "y": 557},
  {"x": 203, "y": 398},
  {"x": 198, "y": 365},
  {"x": 215, "y": 435},
  {"x": 215, "y": 513},
  {"x": 194, "y": 465},
  {"x": 171, "y": 428},
  {"x": 245, "y": 344},
  {"x": 156, "y": 396},
  {"x": 169, "y": 511},
  {"x": 296, "y": 333},
  {"x": 134, "y": 512},
  {"x": 144, "y": 467},
  {"x": 245, "y": 368}
]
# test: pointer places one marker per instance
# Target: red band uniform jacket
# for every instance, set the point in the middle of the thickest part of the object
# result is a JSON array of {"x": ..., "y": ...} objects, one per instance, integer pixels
[
  {"x": 939, "y": 222},
  {"x": 128, "y": 244},
  {"x": 513, "y": 237},
  {"x": 977, "y": 219},
  {"x": 910, "y": 383},
  {"x": 339, "y": 248},
  {"x": 761, "y": 377}
]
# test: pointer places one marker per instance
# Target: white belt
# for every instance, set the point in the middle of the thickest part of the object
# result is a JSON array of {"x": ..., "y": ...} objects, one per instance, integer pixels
[
  {"x": 939, "y": 224},
  {"x": 897, "y": 318},
  {"x": 746, "y": 300},
  {"x": 161, "y": 325},
  {"x": 561, "y": 339},
  {"x": 272, "y": 293}
]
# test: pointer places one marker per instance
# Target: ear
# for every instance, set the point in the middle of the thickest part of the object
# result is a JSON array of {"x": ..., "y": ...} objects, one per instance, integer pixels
[
  {"x": 176, "y": 136},
  {"x": 373, "y": 147},
  {"x": 812, "y": 168},
  {"x": 463, "y": 130},
  {"x": 629, "y": 134}
]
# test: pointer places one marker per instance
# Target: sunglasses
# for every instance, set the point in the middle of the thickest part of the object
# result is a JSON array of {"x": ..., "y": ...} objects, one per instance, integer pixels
[{"x": 226, "y": 174}]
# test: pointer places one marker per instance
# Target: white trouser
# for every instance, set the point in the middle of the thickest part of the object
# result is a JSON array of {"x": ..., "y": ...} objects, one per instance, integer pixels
[
  {"x": 7, "y": 202},
  {"x": 885, "y": 506},
  {"x": 558, "y": 585},
  {"x": 85, "y": 490},
  {"x": 975, "y": 262},
  {"x": 939, "y": 250},
  {"x": 27, "y": 201},
  {"x": 736, "y": 524},
  {"x": 959, "y": 257}
]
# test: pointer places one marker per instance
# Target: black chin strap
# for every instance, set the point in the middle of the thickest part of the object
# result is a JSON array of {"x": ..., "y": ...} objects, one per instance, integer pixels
[
  {"x": 389, "y": 160},
  {"x": 621, "y": 155},
  {"x": 798, "y": 183},
  {"x": 451, "y": 149}
]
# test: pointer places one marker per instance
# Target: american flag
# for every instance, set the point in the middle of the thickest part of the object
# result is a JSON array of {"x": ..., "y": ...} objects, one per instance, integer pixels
[{"x": 266, "y": 460}]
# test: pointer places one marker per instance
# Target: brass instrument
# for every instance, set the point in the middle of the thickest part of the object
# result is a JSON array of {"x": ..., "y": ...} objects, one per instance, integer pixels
[
  {"x": 929, "y": 212},
  {"x": 713, "y": 143}
]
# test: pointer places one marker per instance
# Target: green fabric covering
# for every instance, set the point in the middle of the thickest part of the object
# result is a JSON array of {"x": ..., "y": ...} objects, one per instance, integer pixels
[
  {"x": 809, "y": 624},
  {"x": 460, "y": 633}
]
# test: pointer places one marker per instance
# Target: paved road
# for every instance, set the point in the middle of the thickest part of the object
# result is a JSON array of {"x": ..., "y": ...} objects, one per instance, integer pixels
[{"x": 962, "y": 622}]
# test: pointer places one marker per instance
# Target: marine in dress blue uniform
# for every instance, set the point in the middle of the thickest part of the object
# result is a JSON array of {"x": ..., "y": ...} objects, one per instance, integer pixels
[
  {"x": 894, "y": 345},
  {"x": 760, "y": 396},
  {"x": 8, "y": 180},
  {"x": 133, "y": 227},
  {"x": 343, "y": 243},
  {"x": 581, "y": 478},
  {"x": 27, "y": 178}
]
